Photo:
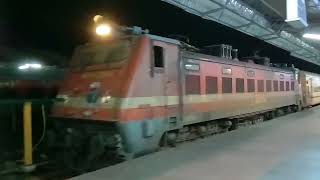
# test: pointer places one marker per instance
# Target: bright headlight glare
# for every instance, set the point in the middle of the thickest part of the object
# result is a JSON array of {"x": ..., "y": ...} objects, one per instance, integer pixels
[
  {"x": 103, "y": 30},
  {"x": 97, "y": 18}
]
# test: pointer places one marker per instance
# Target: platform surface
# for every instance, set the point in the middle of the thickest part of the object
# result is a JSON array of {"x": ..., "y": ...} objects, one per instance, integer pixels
[{"x": 286, "y": 148}]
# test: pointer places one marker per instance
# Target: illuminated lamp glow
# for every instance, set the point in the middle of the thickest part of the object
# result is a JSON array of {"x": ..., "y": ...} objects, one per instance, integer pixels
[
  {"x": 30, "y": 66},
  {"x": 103, "y": 30},
  {"x": 22, "y": 67},
  {"x": 97, "y": 18},
  {"x": 312, "y": 36}
]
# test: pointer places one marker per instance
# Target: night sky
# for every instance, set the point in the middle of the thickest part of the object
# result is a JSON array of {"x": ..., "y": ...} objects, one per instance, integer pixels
[{"x": 58, "y": 26}]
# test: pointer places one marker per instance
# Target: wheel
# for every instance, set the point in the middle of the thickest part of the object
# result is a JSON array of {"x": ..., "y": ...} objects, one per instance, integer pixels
[
  {"x": 172, "y": 139},
  {"x": 279, "y": 112},
  {"x": 267, "y": 116},
  {"x": 235, "y": 125},
  {"x": 261, "y": 118},
  {"x": 300, "y": 107},
  {"x": 272, "y": 114},
  {"x": 129, "y": 156}
]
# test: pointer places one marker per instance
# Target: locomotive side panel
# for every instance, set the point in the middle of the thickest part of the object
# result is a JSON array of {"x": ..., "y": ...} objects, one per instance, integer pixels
[
  {"x": 229, "y": 90},
  {"x": 286, "y": 93},
  {"x": 152, "y": 97}
]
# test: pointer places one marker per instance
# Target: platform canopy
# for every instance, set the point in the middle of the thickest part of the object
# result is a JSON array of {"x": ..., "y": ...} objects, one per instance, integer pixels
[{"x": 258, "y": 18}]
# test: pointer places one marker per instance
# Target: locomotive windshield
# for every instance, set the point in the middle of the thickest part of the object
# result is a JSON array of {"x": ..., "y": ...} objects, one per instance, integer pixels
[{"x": 102, "y": 53}]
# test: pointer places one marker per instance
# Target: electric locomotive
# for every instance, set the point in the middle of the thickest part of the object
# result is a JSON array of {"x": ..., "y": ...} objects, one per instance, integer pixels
[{"x": 127, "y": 94}]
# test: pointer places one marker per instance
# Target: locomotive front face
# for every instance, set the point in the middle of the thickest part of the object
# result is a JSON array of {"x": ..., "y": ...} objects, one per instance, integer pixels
[
  {"x": 94, "y": 86},
  {"x": 113, "y": 98}
]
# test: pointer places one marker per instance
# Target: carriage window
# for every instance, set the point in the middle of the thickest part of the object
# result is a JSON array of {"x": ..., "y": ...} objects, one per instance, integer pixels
[
  {"x": 211, "y": 85},
  {"x": 287, "y": 86},
  {"x": 281, "y": 85},
  {"x": 158, "y": 56},
  {"x": 192, "y": 84},
  {"x": 260, "y": 86},
  {"x": 239, "y": 85},
  {"x": 251, "y": 85},
  {"x": 268, "y": 86},
  {"x": 226, "y": 85},
  {"x": 275, "y": 86},
  {"x": 292, "y": 85}
]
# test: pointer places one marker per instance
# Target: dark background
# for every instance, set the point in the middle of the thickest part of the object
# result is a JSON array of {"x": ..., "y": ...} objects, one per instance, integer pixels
[{"x": 56, "y": 27}]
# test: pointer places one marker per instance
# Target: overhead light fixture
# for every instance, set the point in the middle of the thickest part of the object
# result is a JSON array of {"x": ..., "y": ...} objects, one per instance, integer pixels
[
  {"x": 30, "y": 66},
  {"x": 312, "y": 36}
]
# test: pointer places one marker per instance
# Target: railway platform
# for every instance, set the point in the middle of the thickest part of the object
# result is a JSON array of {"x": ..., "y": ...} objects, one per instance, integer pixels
[{"x": 287, "y": 147}]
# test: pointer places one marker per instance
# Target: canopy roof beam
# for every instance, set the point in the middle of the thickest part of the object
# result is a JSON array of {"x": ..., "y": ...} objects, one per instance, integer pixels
[{"x": 239, "y": 16}]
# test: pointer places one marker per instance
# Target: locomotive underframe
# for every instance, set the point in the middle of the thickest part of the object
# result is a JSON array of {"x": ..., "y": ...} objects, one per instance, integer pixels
[
  {"x": 91, "y": 145},
  {"x": 85, "y": 146},
  {"x": 211, "y": 127}
]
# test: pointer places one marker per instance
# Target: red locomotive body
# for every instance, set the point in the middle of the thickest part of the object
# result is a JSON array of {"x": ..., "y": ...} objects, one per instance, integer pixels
[{"x": 130, "y": 95}]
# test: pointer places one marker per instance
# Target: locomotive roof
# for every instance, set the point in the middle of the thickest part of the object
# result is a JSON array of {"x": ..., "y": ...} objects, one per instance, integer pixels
[
  {"x": 310, "y": 73},
  {"x": 206, "y": 57},
  {"x": 164, "y": 39}
]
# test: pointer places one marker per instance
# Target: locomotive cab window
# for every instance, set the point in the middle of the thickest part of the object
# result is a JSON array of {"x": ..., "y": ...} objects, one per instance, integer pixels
[
  {"x": 158, "y": 55},
  {"x": 115, "y": 52}
]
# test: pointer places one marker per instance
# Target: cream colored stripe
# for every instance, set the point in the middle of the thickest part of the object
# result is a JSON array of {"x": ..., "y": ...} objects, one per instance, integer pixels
[
  {"x": 136, "y": 102},
  {"x": 140, "y": 102}
]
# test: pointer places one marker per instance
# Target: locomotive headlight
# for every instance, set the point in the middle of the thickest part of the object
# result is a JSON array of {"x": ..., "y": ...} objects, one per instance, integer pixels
[
  {"x": 97, "y": 18},
  {"x": 103, "y": 30},
  {"x": 105, "y": 99},
  {"x": 62, "y": 98}
]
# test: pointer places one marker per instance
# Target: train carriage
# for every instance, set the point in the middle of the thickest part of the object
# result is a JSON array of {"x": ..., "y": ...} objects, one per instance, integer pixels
[{"x": 310, "y": 88}]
